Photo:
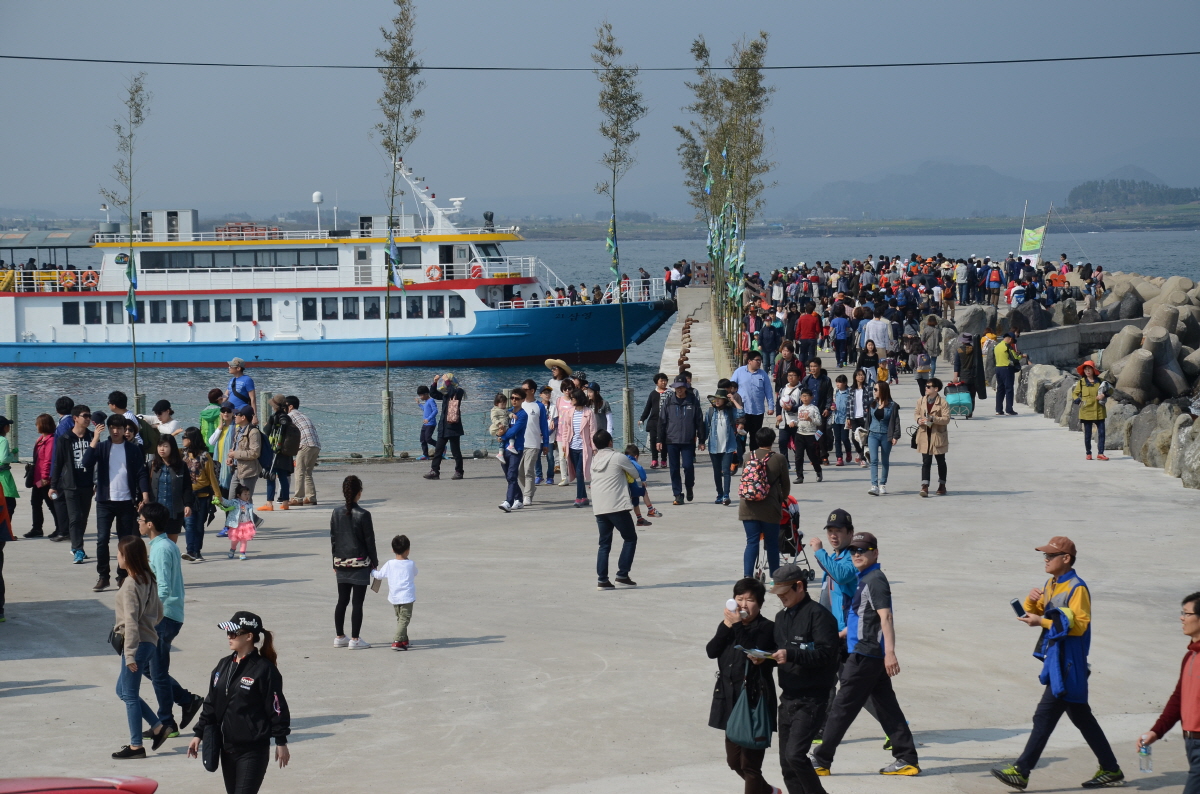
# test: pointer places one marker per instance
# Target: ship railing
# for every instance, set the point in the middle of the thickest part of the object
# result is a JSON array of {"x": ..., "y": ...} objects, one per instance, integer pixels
[
  {"x": 48, "y": 281},
  {"x": 635, "y": 291},
  {"x": 330, "y": 235},
  {"x": 278, "y": 278}
]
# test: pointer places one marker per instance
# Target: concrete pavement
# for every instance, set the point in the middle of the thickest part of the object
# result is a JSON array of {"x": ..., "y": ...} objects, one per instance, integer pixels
[{"x": 524, "y": 678}]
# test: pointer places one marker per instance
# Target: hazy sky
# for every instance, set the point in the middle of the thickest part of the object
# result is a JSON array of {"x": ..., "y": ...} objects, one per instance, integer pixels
[{"x": 527, "y": 142}]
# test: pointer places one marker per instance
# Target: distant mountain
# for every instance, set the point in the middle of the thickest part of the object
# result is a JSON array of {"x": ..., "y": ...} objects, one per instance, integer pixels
[{"x": 934, "y": 190}]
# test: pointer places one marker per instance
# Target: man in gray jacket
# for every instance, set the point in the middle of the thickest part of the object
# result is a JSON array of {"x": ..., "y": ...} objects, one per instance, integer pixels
[
  {"x": 613, "y": 509},
  {"x": 680, "y": 425}
]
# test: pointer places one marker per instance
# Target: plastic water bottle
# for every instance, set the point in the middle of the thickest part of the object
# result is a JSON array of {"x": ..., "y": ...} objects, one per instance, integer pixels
[{"x": 1145, "y": 762}]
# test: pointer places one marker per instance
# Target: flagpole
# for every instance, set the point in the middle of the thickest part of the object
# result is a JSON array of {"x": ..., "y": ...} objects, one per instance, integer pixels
[
  {"x": 1021, "y": 240},
  {"x": 1045, "y": 233}
]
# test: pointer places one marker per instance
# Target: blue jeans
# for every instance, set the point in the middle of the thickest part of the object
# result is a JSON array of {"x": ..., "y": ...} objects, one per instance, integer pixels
[
  {"x": 512, "y": 463},
  {"x": 721, "y": 463},
  {"x": 841, "y": 440},
  {"x": 1088, "y": 424},
  {"x": 622, "y": 521},
  {"x": 128, "y": 685},
  {"x": 964, "y": 293},
  {"x": 577, "y": 464},
  {"x": 770, "y": 539},
  {"x": 283, "y": 486},
  {"x": 168, "y": 629},
  {"x": 839, "y": 351},
  {"x": 537, "y": 468},
  {"x": 681, "y": 455},
  {"x": 880, "y": 448},
  {"x": 807, "y": 350},
  {"x": 1192, "y": 747},
  {"x": 193, "y": 526}
]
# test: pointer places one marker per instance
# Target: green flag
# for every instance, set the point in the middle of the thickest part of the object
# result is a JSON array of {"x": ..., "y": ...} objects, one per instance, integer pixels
[
  {"x": 1032, "y": 239},
  {"x": 610, "y": 243},
  {"x": 131, "y": 296},
  {"x": 708, "y": 180}
]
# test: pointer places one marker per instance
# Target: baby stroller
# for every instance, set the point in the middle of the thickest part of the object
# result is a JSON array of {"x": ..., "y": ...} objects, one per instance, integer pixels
[
  {"x": 791, "y": 544},
  {"x": 960, "y": 400}
]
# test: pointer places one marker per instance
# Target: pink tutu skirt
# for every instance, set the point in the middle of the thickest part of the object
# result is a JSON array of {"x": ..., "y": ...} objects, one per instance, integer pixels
[{"x": 243, "y": 531}]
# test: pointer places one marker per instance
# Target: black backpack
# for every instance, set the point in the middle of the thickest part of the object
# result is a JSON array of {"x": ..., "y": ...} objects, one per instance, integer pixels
[{"x": 285, "y": 436}]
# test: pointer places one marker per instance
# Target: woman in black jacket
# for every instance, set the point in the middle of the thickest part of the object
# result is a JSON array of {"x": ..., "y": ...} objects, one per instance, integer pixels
[
  {"x": 171, "y": 485},
  {"x": 749, "y": 629},
  {"x": 649, "y": 419},
  {"x": 449, "y": 425},
  {"x": 353, "y": 539},
  {"x": 246, "y": 707}
]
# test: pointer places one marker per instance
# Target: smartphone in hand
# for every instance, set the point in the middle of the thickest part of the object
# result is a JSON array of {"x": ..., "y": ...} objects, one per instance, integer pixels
[{"x": 1017, "y": 607}]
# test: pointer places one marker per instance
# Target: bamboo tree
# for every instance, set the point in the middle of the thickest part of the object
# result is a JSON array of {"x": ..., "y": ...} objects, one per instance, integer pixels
[
  {"x": 397, "y": 131},
  {"x": 695, "y": 150},
  {"x": 137, "y": 103},
  {"x": 621, "y": 106}
]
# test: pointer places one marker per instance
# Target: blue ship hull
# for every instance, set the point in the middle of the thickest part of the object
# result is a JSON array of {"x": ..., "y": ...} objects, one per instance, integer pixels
[{"x": 585, "y": 334}]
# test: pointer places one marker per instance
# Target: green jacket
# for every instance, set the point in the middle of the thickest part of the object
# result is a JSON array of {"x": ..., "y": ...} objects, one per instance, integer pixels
[
  {"x": 210, "y": 417},
  {"x": 1088, "y": 396},
  {"x": 8, "y": 456}
]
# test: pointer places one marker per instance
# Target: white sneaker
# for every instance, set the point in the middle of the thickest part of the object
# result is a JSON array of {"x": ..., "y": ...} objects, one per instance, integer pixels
[
  {"x": 506, "y": 507},
  {"x": 527, "y": 501},
  {"x": 517, "y": 505},
  {"x": 882, "y": 490},
  {"x": 359, "y": 644},
  {"x": 873, "y": 491},
  {"x": 563, "y": 483},
  {"x": 341, "y": 642}
]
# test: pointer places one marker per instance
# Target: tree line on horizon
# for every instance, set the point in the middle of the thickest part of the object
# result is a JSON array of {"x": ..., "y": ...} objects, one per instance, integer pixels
[{"x": 1105, "y": 194}]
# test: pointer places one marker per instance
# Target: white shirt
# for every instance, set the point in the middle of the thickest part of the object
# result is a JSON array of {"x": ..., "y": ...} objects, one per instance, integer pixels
[
  {"x": 533, "y": 427},
  {"x": 937, "y": 294},
  {"x": 118, "y": 474},
  {"x": 400, "y": 575}
]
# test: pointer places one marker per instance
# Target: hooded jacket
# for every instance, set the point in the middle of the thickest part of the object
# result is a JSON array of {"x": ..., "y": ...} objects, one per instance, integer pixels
[
  {"x": 680, "y": 421},
  {"x": 610, "y": 492}
]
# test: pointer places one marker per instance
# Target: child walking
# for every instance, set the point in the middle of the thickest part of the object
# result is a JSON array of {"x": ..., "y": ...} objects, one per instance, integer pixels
[
  {"x": 429, "y": 412},
  {"x": 240, "y": 520},
  {"x": 401, "y": 574},
  {"x": 637, "y": 488}
]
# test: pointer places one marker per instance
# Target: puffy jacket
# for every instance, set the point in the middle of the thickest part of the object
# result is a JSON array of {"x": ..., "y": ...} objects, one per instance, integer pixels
[
  {"x": 1066, "y": 639},
  {"x": 351, "y": 534},
  {"x": 250, "y": 693},
  {"x": 1088, "y": 396},
  {"x": 680, "y": 421},
  {"x": 610, "y": 491},
  {"x": 43, "y": 452},
  {"x": 732, "y": 666}
]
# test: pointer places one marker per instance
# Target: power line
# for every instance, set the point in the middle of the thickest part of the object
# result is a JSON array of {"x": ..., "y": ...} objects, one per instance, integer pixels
[{"x": 797, "y": 67}]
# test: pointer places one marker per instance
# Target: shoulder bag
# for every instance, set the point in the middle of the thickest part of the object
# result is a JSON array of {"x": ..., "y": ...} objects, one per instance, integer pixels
[{"x": 749, "y": 723}]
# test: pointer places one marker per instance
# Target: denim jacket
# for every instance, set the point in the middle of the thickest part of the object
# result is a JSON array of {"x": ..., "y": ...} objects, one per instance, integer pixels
[{"x": 841, "y": 406}]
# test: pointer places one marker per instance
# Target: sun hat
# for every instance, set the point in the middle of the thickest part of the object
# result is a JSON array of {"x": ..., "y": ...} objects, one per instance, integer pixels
[
  {"x": 551, "y": 363},
  {"x": 1088, "y": 363},
  {"x": 721, "y": 394}
]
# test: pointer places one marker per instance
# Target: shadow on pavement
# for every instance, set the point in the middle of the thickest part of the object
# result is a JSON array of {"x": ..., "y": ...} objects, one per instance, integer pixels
[
  {"x": 454, "y": 642},
  {"x": 57, "y": 629},
  {"x": 9, "y": 689},
  {"x": 245, "y": 583}
]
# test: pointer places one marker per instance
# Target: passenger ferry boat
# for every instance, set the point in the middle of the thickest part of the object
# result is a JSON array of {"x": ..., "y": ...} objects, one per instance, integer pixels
[{"x": 308, "y": 299}]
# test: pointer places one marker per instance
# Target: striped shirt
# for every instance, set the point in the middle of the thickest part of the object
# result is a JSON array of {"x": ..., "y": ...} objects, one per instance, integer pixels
[{"x": 308, "y": 433}]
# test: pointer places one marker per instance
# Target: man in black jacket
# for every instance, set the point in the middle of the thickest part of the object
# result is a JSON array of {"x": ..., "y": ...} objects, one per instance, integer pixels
[
  {"x": 807, "y": 636},
  {"x": 71, "y": 481},
  {"x": 680, "y": 424},
  {"x": 121, "y": 482}
]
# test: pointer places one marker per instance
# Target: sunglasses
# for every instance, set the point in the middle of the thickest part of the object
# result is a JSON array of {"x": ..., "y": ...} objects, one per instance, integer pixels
[
  {"x": 1051, "y": 555},
  {"x": 233, "y": 634},
  {"x": 856, "y": 550},
  {"x": 86, "y": 416}
]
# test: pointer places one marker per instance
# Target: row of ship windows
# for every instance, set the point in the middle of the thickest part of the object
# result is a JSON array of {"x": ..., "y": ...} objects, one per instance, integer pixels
[
  {"x": 245, "y": 260},
  {"x": 225, "y": 310}
]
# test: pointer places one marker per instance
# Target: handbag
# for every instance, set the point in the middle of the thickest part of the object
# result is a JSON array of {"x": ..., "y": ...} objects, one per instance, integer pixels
[
  {"x": 351, "y": 562},
  {"x": 29, "y": 481},
  {"x": 749, "y": 725},
  {"x": 116, "y": 640}
]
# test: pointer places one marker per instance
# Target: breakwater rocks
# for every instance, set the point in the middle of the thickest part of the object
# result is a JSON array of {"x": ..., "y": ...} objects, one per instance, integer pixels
[{"x": 1161, "y": 434}]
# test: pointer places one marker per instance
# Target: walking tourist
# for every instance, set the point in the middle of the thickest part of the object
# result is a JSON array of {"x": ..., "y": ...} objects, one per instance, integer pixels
[
  {"x": 613, "y": 510},
  {"x": 449, "y": 426},
  {"x": 133, "y": 636},
  {"x": 8, "y": 456},
  {"x": 63, "y": 406},
  {"x": 1008, "y": 363},
  {"x": 38, "y": 481},
  {"x": 429, "y": 412},
  {"x": 550, "y": 409},
  {"x": 720, "y": 427},
  {"x": 240, "y": 389},
  {"x": 205, "y": 488},
  {"x": 352, "y": 536},
  {"x": 788, "y": 401},
  {"x": 512, "y": 451},
  {"x": 246, "y": 706},
  {"x": 306, "y": 455},
  {"x": 1063, "y": 611},
  {"x": 933, "y": 439},
  {"x": 838, "y": 419},
  {"x": 808, "y": 435},
  {"x": 245, "y": 451},
  {"x": 401, "y": 574},
  {"x": 649, "y": 420},
  {"x": 576, "y": 427},
  {"x": 1091, "y": 395},
  {"x": 1184, "y": 703},
  {"x": 219, "y": 443},
  {"x": 806, "y": 637},
  {"x": 638, "y": 489},
  {"x": 764, "y": 487},
  {"x": 281, "y": 438},
  {"x": 71, "y": 480},
  {"x": 856, "y": 417},
  {"x": 870, "y": 666},
  {"x": 121, "y": 480},
  {"x": 968, "y": 368},
  {"x": 757, "y": 394},
  {"x": 171, "y": 486},
  {"x": 168, "y": 577},
  {"x": 210, "y": 415},
  {"x": 240, "y": 520},
  {"x": 748, "y": 628},
  {"x": 536, "y": 441},
  {"x": 681, "y": 425},
  {"x": 883, "y": 431}
]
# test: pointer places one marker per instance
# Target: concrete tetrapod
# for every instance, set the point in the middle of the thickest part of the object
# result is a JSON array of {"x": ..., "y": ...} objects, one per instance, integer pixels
[
  {"x": 1127, "y": 340},
  {"x": 1163, "y": 317},
  {"x": 1168, "y": 376},
  {"x": 1137, "y": 377}
]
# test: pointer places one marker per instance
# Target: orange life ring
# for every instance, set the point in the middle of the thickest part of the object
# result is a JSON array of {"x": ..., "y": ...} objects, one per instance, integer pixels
[
  {"x": 433, "y": 273},
  {"x": 66, "y": 278},
  {"x": 476, "y": 270},
  {"x": 90, "y": 279}
]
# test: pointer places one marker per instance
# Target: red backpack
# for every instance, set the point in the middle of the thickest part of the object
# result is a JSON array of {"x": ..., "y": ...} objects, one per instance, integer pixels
[{"x": 755, "y": 484}]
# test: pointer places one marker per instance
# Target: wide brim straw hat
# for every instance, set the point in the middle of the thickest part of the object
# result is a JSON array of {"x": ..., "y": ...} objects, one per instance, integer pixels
[{"x": 551, "y": 363}]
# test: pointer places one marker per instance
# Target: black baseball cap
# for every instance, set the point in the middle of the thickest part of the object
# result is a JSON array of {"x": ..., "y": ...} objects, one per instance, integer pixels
[
  {"x": 242, "y": 622},
  {"x": 839, "y": 519}
]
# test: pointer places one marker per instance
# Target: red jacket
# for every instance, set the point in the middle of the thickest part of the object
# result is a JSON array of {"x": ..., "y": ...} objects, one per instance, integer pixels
[
  {"x": 1184, "y": 705},
  {"x": 42, "y": 450},
  {"x": 808, "y": 326}
]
